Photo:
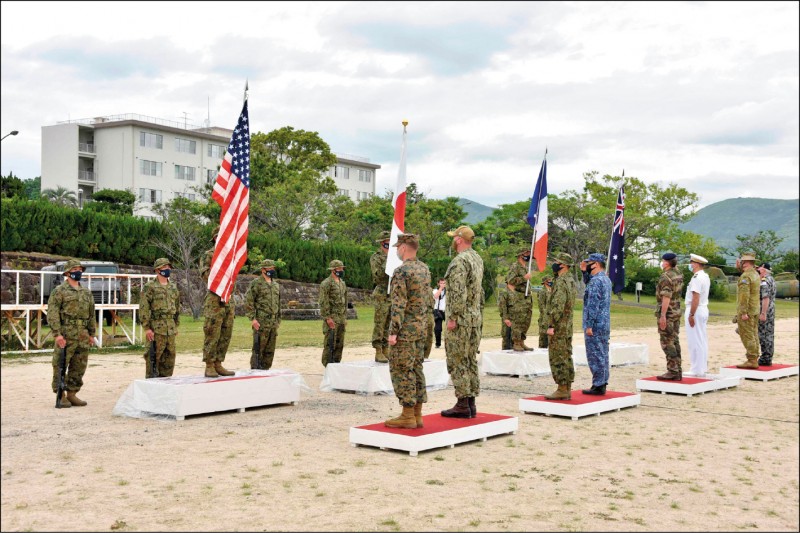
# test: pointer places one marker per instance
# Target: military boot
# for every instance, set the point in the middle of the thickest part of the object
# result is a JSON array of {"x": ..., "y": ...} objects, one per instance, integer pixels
[
  {"x": 525, "y": 346},
  {"x": 752, "y": 362},
  {"x": 406, "y": 420},
  {"x": 459, "y": 410},
  {"x": 518, "y": 346},
  {"x": 473, "y": 411},
  {"x": 380, "y": 356},
  {"x": 561, "y": 393},
  {"x": 764, "y": 362},
  {"x": 669, "y": 375},
  {"x": 64, "y": 403},
  {"x": 418, "y": 414},
  {"x": 74, "y": 400},
  {"x": 221, "y": 369},
  {"x": 211, "y": 371},
  {"x": 595, "y": 391}
]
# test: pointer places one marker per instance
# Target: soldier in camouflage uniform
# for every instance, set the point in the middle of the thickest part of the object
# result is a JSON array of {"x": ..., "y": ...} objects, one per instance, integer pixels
[
  {"x": 333, "y": 310},
  {"x": 505, "y": 319},
  {"x": 218, "y": 325},
  {"x": 748, "y": 291},
  {"x": 70, "y": 313},
  {"x": 597, "y": 322},
  {"x": 263, "y": 308},
  {"x": 410, "y": 316},
  {"x": 521, "y": 311},
  {"x": 668, "y": 312},
  {"x": 464, "y": 322},
  {"x": 380, "y": 331},
  {"x": 160, "y": 311},
  {"x": 543, "y": 298},
  {"x": 766, "y": 320},
  {"x": 430, "y": 324},
  {"x": 559, "y": 327}
]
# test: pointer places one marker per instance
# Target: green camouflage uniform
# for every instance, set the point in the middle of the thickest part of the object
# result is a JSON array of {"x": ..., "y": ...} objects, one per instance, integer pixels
[
  {"x": 748, "y": 292},
  {"x": 70, "y": 313},
  {"x": 160, "y": 308},
  {"x": 521, "y": 306},
  {"x": 543, "y": 299},
  {"x": 670, "y": 284},
  {"x": 505, "y": 314},
  {"x": 377, "y": 264},
  {"x": 410, "y": 317},
  {"x": 262, "y": 302},
  {"x": 218, "y": 315},
  {"x": 464, "y": 301},
  {"x": 333, "y": 304},
  {"x": 559, "y": 317}
]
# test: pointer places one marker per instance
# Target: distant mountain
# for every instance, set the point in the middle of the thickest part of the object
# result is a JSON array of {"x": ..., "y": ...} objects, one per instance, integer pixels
[
  {"x": 475, "y": 212},
  {"x": 723, "y": 221}
]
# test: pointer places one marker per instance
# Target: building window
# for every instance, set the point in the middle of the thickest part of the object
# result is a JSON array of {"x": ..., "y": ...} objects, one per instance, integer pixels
[
  {"x": 216, "y": 151},
  {"x": 211, "y": 176},
  {"x": 151, "y": 140},
  {"x": 184, "y": 173},
  {"x": 362, "y": 195},
  {"x": 341, "y": 172},
  {"x": 149, "y": 196},
  {"x": 187, "y": 195},
  {"x": 365, "y": 175},
  {"x": 344, "y": 192},
  {"x": 186, "y": 146},
  {"x": 149, "y": 168}
]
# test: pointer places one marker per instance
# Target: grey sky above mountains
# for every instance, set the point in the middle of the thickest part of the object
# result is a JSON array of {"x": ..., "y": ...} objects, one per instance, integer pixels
[{"x": 701, "y": 94}]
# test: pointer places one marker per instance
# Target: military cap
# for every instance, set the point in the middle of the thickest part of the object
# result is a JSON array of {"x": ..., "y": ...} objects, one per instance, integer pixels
[
  {"x": 160, "y": 262},
  {"x": 562, "y": 259},
  {"x": 698, "y": 259},
  {"x": 766, "y": 266},
  {"x": 600, "y": 258},
  {"x": 748, "y": 256},
  {"x": 465, "y": 232},
  {"x": 335, "y": 264},
  {"x": 407, "y": 238},
  {"x": 668, "y": 256},
  {"x": 524, "y": 251},
  {"x": 266, "y": 263},
  {"x": 384, "y": 236},
  {"x": 72, "y": 263}
]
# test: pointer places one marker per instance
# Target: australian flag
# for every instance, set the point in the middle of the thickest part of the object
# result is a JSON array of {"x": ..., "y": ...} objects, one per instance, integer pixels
[{"x": 616, "y": 252}]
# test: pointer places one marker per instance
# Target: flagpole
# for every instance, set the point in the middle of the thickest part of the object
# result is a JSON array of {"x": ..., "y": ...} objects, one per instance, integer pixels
[
  {"x": 246, "y": 88},
  {"x": 613, "y": 219},
  {"x": 533, "y": 238}
]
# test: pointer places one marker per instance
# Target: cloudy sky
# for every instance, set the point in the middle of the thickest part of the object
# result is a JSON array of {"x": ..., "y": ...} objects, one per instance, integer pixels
[{"x": 701, "y": 94}]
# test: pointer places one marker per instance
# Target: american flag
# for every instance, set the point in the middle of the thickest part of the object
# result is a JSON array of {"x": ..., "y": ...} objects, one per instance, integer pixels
[
  {"x": 232, "y": 193},
  {"x": 616, "y": 251}
]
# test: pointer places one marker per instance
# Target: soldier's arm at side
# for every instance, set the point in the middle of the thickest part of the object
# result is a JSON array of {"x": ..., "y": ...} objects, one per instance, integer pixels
[
  {"x": 144, "y": 308},
  {"x": 92, "y": 326},
  {"x": 456, "y": 291},
  {"x": 399, "y": 297},
  {"x": 54, "y": 313},
  {"x": 249, "y": 302},
  {"x": 177, "y": 307}
]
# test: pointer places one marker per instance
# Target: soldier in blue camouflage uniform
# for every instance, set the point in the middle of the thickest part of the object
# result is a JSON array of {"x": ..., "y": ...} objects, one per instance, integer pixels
[
  {"x": 748, "y": 292},
  {"x": 380, "y": 330},
  {"x": 333, "y": 310},
  {"x": 263, "y": 308},
  {"x": 521, "y": 305},
  {"x": 160, "y": 311},
  {"x": 597, "y": 322},
  {"x": 543, "y": 297},
  {"x": 217, "y": 326},
  {"x": 505, "y": 319},
  {"x": 668, "y": 312},
  {"x": 464, "y": 322},
  {"x": 766, "y": 320},
  {"x": 559, "y": 327},
  {"x": 70, "y": 313},
  {"x": 410, "y": 315}
]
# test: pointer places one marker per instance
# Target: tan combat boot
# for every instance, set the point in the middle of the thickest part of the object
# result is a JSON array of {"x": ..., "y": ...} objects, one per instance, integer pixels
[
  {"x": 380, "y": 355},
  {"x": 74, "y": 400},
  {"x": 211, "y": 371},
  {"x": 518, "y": 346},
  {"x": 64, "y": 403},
  {"x": 752, "y": 362},
  {"x": 221, "y": 369},
  {"x": 418, "y": 414},
  {"x": 561, "y": 393},
  {"x": 526, "y": 347},
  {"x": 406, "y": 420}
]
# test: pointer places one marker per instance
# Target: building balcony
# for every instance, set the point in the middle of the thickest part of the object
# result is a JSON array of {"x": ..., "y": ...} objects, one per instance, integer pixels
[
  {"x": 86, "y": 175},
  {"x": 86, "y": 148}
]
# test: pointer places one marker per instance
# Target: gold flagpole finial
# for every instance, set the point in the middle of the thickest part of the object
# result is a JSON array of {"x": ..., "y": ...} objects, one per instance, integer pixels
[{"x": 405, "y": 123}]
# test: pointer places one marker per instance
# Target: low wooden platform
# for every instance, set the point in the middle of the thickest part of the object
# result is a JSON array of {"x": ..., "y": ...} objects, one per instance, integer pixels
[
  {"x": 370, "y": 377},
  {"x": 688, "y": 386},
  {"x": 580, "y": 404}
]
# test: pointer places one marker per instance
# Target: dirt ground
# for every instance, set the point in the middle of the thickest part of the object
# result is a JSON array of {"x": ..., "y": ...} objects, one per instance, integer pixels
[{"x": 725, "y": 461}]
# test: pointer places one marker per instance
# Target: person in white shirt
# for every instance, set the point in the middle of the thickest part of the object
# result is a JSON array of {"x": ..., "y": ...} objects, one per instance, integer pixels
[
  {"x": 697, "y": 316},
  {"x": 439, "y": 305}
]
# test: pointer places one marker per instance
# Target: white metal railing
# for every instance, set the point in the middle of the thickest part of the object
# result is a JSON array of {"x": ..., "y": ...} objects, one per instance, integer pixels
[
  {"x": 86, "y": 147},
  {"x": 86, "y": 175},
  {"x": 351, "y": 157},
  {"x": 133, "y": 116}
]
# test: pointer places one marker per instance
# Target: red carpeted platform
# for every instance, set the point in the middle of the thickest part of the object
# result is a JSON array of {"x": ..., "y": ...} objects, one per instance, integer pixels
[
  {"x": 688, "y": 386},
  {"x": 762, "y": 373},
  {"x": 580, "y": 404}
]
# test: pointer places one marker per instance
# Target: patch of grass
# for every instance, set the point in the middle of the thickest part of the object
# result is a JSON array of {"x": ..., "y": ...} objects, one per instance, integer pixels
[
  {"x": 360, "y": 463},
  {"x": 336, "y": 471},
  {"x": 474, "y": 523},
  {"x": 674, "y": 505},
  {"x": 122, "y": 482},
  {"x": 277, "y": 463},
  {"x": 434, "y": 482},
  {"x": 438, "y": 458},
  {"x": 118, "y": 524}
]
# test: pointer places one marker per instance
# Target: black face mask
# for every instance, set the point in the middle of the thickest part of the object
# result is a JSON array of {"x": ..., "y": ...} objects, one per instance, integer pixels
[
  {"x": 556, "y": 268},
  {"x": 385, "y": 246},
  {"x": 270, "y": 273},
  {"x": 339, "y": 273},
  {"x": 166, "y": 272},
  {"x": 526, "y": 258},
  {"x": 76, "y": 275}
]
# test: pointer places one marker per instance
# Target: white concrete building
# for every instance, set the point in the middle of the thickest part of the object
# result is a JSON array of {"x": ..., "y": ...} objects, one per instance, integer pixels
[{"x": 155, "y": 159}]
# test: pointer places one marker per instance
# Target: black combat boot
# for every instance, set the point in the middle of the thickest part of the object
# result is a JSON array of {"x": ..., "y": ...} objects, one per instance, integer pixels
[
  {"x": 473, "y": 411},
  {"x": 595, "y": 390},
  {"x": 459, "y": 410}
]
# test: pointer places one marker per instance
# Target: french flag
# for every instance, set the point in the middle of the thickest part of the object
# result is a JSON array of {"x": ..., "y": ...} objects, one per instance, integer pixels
[
  {"x": 537, "y": 217},
  {"x": 399, "y": 205}
]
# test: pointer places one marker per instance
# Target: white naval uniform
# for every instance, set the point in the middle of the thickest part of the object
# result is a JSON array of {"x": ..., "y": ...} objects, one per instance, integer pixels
[{"x": 696, "y": 336}]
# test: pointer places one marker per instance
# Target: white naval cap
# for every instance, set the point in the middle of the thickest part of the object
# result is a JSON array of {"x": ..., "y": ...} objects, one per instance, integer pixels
[{"x": 698, "y": 259}]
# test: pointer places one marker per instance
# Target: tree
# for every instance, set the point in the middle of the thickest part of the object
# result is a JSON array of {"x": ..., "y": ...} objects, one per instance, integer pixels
[
  {"x": 11, "y": 186},
  {"x": 763, "y": 243},
  {"x": 33, "y": 188},
  {"x": 112, "y": 201},
  {"x": 281, "y": 154},
  {"x": 788, "y": 263},
  {"x": 61, "y": 196}
]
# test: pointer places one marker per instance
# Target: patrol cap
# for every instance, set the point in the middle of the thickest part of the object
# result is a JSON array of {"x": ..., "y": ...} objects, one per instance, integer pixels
[
  {"x": 384, "y": 236},
  {"x": 266, "y": 263},
  {"x": 465, "y": 232},
  {"x": 524, "y": 251},
  {"x": 335, "y": 264},
  {"x": 698, "y": 259},
  {"x": 160, "y": 262},
  {"x": 72, "y": 263},
  {"x": 407, "y": 238},
  {"x": 668, "y": 256},
  {"x": 596, "y": 257},
  {"x": 748, "y": 256},
  {"x": 562, "y": 259}
]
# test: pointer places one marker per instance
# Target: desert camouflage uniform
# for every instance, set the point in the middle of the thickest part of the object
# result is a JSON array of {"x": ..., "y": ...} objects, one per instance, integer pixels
[
  {"x": 747, "y": 296},
  {"x": 766, "y": 329},
  {"x": 521, "y": 305},
  {"x": 263, "y": 303},
  {"x": 670, "y": 284},
  {"x": 160, "y": 310},
  {"x": 70, "y": 313},
  {"x": 410, "y": 318},
  {"x": 597, "y": 315},
  {"x": 505, "y": 314},
  {"x": 543, "y": 298},
  {"x": 464, "y": 301},
  {"x": 559, "y": 317},
  {"x": 333, "y": 304},
  {"x": 218, "y": 315},
  {"x": 377, "y": 264}
]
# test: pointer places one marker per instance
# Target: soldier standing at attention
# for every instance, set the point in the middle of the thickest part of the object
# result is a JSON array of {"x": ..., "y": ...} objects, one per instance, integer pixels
[
  {"x": 333, "y": 310},
  {"x": 597, "y": 322},
  {"x": 218, "y": 325},
  {"x": 748, "y": 291},
  {"x": 263, "y": 308},
  {"x": 521, "y": 305},
  {"x": 377, "y": 264},
  {"x": 668, "y": 312},
  {"x": 160, "y": 309},
  {"x": 696, "y": 316},
  {"x": 766, "y": 320},
  {"x": 559, "y": 327},
  {"x": 505, "y": 319},
  {"x": 410, "y": 315},
  {"x": 464, "y": 320},
  {"x": 543, "y": 298},
  {"x": 70, "y": 313}
]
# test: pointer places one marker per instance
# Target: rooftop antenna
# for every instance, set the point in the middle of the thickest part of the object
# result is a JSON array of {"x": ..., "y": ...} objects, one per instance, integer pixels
[{"x": 185, "y": 114}]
